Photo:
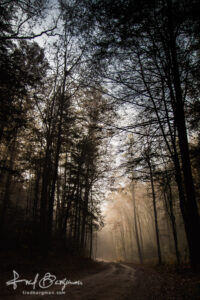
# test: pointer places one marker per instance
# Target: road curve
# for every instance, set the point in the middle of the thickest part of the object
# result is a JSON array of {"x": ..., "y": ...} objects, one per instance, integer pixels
[{"x": 115, "y": 282}]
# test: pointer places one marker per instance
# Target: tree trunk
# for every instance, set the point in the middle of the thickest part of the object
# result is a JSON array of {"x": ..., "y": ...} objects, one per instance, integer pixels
[
  {"x": 85, "y": 210},
  {"x": 44, "y": 196},
  {"x": 191, "y": 216},
  {"x": 6, "y": 196},
  {"x": 169, "y": 199},
  {"x": 136, "y": 229},
  {"x": 155, "y": 212},
  {"x": 36, "y": 194}
]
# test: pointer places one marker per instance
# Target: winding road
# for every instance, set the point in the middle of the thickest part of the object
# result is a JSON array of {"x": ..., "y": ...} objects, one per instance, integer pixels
[{"x": 116, "y": 281}]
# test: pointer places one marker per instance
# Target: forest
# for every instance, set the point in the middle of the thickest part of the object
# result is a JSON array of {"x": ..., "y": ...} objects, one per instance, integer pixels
[{"x": 99, "y": 130}]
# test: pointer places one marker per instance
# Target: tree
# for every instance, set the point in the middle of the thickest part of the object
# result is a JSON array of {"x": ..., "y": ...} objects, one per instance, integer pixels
[
  {"x": 166, "y": 181},
  {"x": 18, "y": 18},
  {"x": 23, "y": 71},
  {"x": 153, "y": 62}
]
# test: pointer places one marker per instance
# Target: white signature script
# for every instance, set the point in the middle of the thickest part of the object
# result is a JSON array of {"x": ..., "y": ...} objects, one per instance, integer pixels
[{"x": 45, "y": 282}]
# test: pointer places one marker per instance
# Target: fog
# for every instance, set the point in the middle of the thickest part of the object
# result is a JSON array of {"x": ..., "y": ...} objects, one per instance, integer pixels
[{"x": 129, "y": 231}]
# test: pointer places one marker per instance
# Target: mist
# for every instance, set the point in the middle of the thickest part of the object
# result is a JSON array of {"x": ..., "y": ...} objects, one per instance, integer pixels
[
  {"x": 100, "y": 146},
  {"x": 129, "y": 232}
]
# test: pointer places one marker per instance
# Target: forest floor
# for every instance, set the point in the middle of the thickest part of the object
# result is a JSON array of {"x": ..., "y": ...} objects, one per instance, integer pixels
[{"x": 100, "y": 280}]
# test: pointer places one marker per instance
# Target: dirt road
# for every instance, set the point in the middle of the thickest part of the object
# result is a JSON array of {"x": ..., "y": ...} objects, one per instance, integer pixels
[
  {"x": 114, "y": 282},
  {"x": 124, "y": 282}
]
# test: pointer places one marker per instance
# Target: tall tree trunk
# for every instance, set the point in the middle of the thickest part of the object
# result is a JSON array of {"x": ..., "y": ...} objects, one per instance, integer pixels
[
  {"x": 91, "y": 238},
  {"x": 155, "y": 212},
  {"x": 136, "y": 228},
  {"x": 191, "y": 218},
  {"x": 53, "y": 186},
  {"x": 121, "y": 230},
  {"x": 169, "y": 205},
  {"x": 44, "y": 196},
  {"x": 85, "y": 211},
  {"x": 6, "y": 196},
  {"x": 62, "y": 98},
  {"x": 36, "y": 194},
  {"x": 6, "y": 200}
]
